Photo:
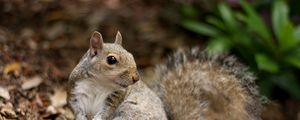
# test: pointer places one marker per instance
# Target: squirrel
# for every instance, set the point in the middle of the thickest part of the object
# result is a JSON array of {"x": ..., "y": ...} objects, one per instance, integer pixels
[
  {"x": 191, "y": 85},
  {"x": 105, "y": 85}
]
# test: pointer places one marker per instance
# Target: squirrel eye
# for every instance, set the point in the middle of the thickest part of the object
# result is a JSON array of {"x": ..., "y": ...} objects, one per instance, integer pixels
[{"x": 111, "y": 60}]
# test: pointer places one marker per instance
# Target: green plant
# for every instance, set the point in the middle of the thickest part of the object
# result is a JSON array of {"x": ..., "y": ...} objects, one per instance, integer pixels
[{"x": 273, "y": 52}]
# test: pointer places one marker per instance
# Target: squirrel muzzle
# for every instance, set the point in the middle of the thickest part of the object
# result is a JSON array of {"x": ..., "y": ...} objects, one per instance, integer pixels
[{"x": 134, "y": 75}]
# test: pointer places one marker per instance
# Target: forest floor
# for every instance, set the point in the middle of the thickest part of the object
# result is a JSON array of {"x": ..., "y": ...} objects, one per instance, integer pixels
[{"x": 41, "y": 42}]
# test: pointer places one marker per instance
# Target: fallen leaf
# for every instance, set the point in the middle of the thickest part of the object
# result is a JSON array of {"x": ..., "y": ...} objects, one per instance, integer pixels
[
  {"x": 32, "y": 82},
  {"x": 7, "y": 110},
  {"x": 59, "y": 98},
  {"x": 54, "y": 31},
  {"x": 32, "y": 44},
  {"x": 38, "y": 100},
  {"x": 4, "y": 93},
  {"x": 14, "y": 68},
  {"x": 42, "y": 99},
  {"x": 69, "y": 114},
  {"x": 51, "y": 109}
]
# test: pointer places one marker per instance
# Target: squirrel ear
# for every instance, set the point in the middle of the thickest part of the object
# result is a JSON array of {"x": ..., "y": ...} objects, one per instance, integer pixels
[
  {"x": 96, "y": 43},
  {"x": 118, "y": 38}
]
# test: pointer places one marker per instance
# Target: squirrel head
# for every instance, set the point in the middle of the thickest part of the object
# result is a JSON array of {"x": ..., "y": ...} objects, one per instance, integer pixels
[{"x": 110, "y": 64}]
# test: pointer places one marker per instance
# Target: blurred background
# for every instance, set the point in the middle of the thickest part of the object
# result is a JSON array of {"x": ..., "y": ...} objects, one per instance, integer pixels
[{"x": 42, "y": 40}]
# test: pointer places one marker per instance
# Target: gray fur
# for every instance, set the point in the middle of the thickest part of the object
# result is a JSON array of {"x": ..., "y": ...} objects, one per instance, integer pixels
[{"x": 196, "y": 85}]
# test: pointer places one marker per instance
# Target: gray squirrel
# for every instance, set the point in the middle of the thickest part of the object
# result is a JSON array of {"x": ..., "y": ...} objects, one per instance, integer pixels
[{"x": 192, "y": 85}]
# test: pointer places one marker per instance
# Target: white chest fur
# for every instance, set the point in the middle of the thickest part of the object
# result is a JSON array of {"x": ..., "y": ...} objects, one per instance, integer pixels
[{"x": 90, "y": 96}]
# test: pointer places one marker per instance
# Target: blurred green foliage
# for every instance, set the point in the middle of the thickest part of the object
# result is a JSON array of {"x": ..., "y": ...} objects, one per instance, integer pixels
[{"x": 272, "y": 51}]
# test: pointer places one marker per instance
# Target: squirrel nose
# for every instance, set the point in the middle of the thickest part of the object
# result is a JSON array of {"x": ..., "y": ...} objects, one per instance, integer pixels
[
  {"x": 133, "y": 74},
  {"x": 135, "y": 77}
]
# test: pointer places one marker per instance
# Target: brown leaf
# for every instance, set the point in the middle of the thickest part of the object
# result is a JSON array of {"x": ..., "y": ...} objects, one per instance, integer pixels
[
  {"x": 14, "y": 68},
  {"x": 32, "y": 82},
  {"x": 51, "y": 109},
  {"x": 69, "y": 114},
  {"x": 7, "y": 110},
  {"x": 4, "y": 93},
  {"x": 59, "y": 98}
]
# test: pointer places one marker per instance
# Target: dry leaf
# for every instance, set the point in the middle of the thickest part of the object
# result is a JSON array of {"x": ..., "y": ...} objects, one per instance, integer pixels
[
  {"x": 32, "y": 44},
  {"x": 59, "y": 98},
  {"x": 69, "y": 114},
  {"x": 38, "y": 100},
  {"x": 42, "y": 99},
  {"x": 55, "y": 31},
  {"x": 4, "y": 93},
  {"x": 32, "y": 82},
  {"x": 51, "y": 109},
  {"x": 7, "y": 110},
  {"x": 14, "y": 68}
]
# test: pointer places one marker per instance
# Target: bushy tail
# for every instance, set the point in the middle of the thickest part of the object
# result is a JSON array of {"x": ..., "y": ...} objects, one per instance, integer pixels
[{"x": 195, "y": 85}]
